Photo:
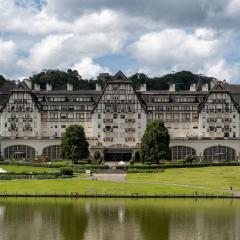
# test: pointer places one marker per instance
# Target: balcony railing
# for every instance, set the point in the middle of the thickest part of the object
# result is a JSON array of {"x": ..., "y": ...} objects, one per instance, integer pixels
[
  {"x": 107, "y": 120},
  {"x": 27, "y": 129},
  {"x": 130, "y": 139},
  {"x": 130, "y": 120},
  {"x": 108, "y": 139},
  {"x": 12, "y": 129},
  {"x": 130, "y": 130}
]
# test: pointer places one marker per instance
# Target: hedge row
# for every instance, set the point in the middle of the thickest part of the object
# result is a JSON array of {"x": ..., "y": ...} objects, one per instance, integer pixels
[
  {"x": 12, "y": 176},
  {"x": 136, "y": 170},
  {"x": 166, "y": 166},
  {"x": 30, "y": 164}
]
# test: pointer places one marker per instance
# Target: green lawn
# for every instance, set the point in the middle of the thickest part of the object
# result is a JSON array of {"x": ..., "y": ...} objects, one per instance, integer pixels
[
  {"x": 21, "y": 169},
  {"x": 211, "y": 180},
  {"x": 90, "y": 186},
  {"x": 209, "y": 177}
]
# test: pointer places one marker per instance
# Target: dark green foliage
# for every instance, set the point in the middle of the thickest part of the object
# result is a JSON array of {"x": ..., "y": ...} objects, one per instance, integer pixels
[
  {"x": 14, "y": 176},
  {"x": 4, "y": 81},
  {"x": 155, "y": 142},
  {"x": 139, "y": 78},
  {"x": 97, "y": 155},
  {"x": 66, "y": 171},
  {"x": 74, "y": 144},
  {"x": 183, "y": 80},
  {"x": 137, "y": 170},
  {"x": 59, "y": 79},
  {"x": 189, "y": 165},
  {"x": 137, "y": 157},
  {"x": 190, "y": 159}
]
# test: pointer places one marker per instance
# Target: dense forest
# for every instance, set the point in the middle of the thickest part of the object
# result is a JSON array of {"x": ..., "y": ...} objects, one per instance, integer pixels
[
  {"x": 4, "y": 81},
  {"x": 58, "y": 79}
]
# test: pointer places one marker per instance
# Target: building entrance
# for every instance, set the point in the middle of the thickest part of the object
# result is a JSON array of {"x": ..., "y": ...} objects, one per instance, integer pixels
[{"x": 117, "y": 154}]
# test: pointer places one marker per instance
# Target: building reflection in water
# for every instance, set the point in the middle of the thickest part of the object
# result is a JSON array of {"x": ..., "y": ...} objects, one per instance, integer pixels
[{"x": 98, "y": 219}]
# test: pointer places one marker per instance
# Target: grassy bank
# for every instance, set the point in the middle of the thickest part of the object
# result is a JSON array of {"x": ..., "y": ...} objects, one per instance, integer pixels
[
  {"x": 93, "y": 187},
  {"x": 212, "y": 180},
  {"x": 211, "y": 177}
]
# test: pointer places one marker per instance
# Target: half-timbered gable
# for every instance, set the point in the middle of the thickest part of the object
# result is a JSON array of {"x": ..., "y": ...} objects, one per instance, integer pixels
[{"x": 119, "y": 117}]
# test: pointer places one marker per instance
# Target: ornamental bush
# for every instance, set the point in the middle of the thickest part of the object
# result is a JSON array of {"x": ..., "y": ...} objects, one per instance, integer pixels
[{"x": 66, "y": 171}]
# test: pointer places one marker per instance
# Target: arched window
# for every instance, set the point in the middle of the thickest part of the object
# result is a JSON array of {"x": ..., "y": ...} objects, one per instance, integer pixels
[
  {"x": 19, "y": 152},
  {"x": 180, "y": 152},
  {"x": 219, "y": 154},
  {"x": 52, "y": 152}
]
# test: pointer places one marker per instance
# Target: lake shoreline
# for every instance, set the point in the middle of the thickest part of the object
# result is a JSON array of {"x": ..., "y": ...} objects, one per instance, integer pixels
[{"x": 134, "y": 195}]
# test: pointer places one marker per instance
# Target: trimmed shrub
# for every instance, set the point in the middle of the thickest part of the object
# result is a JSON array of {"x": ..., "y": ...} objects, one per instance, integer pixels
[
  {"x": 167, "y": 166},
  {"x": 66, "y": 171},
  {"x": 135, "y": 170}
]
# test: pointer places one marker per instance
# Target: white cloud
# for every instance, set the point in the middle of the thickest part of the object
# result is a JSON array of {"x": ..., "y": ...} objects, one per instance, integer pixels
[
  {"x": 222, "y": 70},
  {"x": 8, "y": 55},
  {"x": 66, "y": 33},
  {"x": 46, "y": 54},
  {"x": 169, "y": 50},
  {"x": 233, "y": 8},
  {"x": 174, "y": 47},
  {"x": 88, "y": 69},
  {"x": 62, "y": 51}
]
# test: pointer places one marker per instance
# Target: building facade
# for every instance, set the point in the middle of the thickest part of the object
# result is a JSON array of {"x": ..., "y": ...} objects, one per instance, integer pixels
[{"x": 202, "y": 121}]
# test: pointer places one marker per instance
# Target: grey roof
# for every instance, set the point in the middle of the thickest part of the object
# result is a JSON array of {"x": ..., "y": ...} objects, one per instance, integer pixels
[
  {"x": 167, "y": 92},
  {"x": 65, "y": 92},
  {"x": 234, "y": 88}
]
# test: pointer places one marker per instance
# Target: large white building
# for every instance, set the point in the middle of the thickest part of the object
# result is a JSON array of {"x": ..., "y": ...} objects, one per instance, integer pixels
[{"x": 202, "y": 121}]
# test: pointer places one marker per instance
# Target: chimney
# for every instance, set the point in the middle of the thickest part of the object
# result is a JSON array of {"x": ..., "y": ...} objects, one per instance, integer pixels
[
  {"x": 143, "y": 87},
  {"x": 172, "y": 87},
  {"x": 49, "y": 87},
  {"x": 98, "y": 87},
  {"x": 36, "y": 87},
  {"x": 193, "y": 87},
  {"x": 205, "y": 87},
  {"x": 69, "y": 87}
]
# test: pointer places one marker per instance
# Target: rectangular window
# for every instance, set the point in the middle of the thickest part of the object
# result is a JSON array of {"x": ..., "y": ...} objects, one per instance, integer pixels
[{"x": 139, "y": 116}]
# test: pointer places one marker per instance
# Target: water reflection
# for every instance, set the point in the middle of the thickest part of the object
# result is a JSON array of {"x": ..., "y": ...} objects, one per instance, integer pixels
[{"x": 101, "y": 219}]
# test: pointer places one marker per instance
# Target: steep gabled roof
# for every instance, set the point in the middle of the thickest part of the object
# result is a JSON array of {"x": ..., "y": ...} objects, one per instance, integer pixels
[
  {"x": 219, "y": 87},
  {"x": 21, "y": 86},
  {"x": 121, "y": 77}
]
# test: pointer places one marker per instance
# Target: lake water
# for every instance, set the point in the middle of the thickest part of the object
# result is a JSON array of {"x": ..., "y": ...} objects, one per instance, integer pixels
[{"x": 119, "y": 219}]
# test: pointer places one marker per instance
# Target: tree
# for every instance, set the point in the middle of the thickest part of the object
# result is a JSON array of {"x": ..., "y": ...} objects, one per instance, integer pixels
[
  {"x": 74, "y": 144},
  {"x": 190, "y": 158},
  {"x": 155, "y": 142}
]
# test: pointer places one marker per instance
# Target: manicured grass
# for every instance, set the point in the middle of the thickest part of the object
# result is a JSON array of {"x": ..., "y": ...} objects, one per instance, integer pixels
[
  {"x": 21, "y": 169},
  {"x": 211, "y": 180},
  {"x": 93, "y": 187},
  {"x": 210, "y": 177},
  {"x": 62, "y": 162}
]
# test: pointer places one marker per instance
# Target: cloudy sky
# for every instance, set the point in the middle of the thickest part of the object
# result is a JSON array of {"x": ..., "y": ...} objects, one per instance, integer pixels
[{"x": 93, "y": 36}]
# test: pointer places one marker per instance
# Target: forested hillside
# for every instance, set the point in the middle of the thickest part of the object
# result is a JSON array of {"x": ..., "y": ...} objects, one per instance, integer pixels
[
  {"x": 4, "y": 81},
  {"x": 58, "y": 79}
]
